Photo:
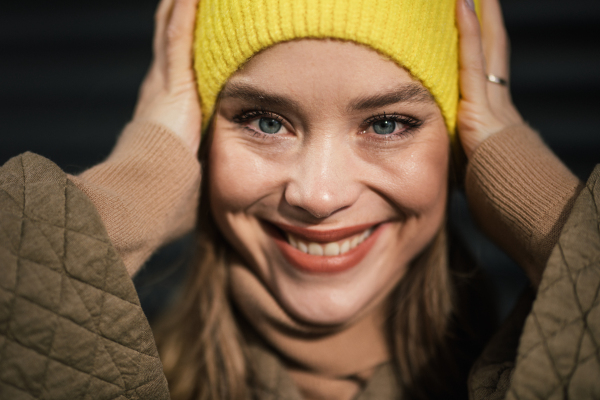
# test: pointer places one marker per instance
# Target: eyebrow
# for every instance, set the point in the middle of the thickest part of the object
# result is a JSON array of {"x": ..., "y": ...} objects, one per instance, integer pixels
[
  {"x": 252, "y": 94},
  {"x": 407, "y": 93}
]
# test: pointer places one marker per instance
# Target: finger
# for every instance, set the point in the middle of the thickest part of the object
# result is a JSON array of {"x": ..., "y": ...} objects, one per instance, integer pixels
[
  {"x": 161, "y": 18},
  {"x": 472, "y": 62},
  {"x": 494, "y": 39},
  {"x": 496, "y": 50},
  {"x": 180, "y": 35}
]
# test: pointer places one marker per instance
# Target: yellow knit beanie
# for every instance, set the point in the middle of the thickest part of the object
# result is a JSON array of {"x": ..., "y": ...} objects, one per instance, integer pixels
[{"x": 419, "y": 35}]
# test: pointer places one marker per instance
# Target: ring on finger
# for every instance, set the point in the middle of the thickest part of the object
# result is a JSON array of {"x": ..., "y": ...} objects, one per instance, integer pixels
[{"x": 497, "y": 80}]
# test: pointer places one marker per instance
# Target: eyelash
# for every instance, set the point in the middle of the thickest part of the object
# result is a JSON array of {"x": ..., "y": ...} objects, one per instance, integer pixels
[
  {"x": 410, "y": 124},
  {"x": 250, "y": 115}
]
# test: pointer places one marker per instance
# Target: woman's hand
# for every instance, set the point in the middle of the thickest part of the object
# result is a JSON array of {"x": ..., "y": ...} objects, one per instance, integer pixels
[
  {"x": 168, "y": 95},
  {"x": 485, "y": 107}
]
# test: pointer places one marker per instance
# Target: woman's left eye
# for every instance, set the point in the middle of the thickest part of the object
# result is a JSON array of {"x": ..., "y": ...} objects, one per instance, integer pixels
[
  {"x": 384, "y": 127},
  {"x": 391, "y": 125}
]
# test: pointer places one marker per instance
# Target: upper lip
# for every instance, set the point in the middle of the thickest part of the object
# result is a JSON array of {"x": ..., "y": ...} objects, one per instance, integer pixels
[{"x": 324, "y": 236}]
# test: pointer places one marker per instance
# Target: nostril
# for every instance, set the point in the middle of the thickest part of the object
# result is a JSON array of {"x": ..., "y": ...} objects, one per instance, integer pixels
[
  {"x": 319, "y": 187},
  {"x": 320, "y": 204},
  {"x": 318, "y": 211}
]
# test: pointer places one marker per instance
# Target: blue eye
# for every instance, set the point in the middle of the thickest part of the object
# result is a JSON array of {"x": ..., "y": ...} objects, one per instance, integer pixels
[
  {"x": 384, "y": 127},
  {"x": 269, "y": 125}
]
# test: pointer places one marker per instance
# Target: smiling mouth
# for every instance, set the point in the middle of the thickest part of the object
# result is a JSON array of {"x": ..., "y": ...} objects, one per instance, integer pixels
[
  {"x": 330, "y": 251},
  {"x": 331, "y": 248}
]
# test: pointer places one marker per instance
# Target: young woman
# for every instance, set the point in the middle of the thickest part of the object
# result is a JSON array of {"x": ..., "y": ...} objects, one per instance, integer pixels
[{"x": 325, "y": 269}]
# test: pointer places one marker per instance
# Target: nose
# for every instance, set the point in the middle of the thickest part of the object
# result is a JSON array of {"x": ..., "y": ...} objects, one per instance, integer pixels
[{"x": 323, "y": 181}]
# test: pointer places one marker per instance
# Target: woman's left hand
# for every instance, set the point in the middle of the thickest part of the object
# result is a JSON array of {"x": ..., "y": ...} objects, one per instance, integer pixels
[{"x": 485, "y": 107}]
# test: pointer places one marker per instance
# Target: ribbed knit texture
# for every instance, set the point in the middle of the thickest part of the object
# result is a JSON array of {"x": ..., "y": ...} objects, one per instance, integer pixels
[
  {"x": 146, "y": 191},
  {"x": 420, "y": 35},
  {"x": 521, "y": 194}
]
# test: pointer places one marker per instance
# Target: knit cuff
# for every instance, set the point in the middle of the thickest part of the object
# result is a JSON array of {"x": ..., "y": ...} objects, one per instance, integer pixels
[
  {"x": 146, "y": 191},
  {"x": 520, "y": 193}
]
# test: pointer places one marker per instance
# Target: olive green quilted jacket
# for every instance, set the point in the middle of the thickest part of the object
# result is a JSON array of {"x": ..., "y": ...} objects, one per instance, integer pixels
[{"x": 71, "y": 326}]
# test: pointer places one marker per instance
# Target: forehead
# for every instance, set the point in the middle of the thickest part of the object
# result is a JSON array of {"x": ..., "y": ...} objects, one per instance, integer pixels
[{"x": 324, "y": 71}]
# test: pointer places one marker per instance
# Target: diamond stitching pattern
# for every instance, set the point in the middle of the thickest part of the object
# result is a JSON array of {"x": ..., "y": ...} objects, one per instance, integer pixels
[
  {"x": 565, "y": 313},
  {"x": 558, "y": 354},
  {"x": 78, "y": 364}
]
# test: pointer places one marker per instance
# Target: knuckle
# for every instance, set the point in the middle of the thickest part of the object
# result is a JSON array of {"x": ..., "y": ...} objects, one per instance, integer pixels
[
  {"x": 173, "y": 33},
  {"x": 472, "y": 71}
]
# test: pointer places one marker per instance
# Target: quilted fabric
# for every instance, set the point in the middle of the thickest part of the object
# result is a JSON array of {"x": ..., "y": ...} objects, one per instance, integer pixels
[
  {"x": 491, "y": 374},
  {"x": 71, "y": 326},
  {"x": 559, "y": 352}
]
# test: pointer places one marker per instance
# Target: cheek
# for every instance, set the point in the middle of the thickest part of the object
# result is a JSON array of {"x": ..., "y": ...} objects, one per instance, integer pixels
[
  {"x": 417, "y": 182},
  {"x": 243, "y": 185},
  {"x": 237, "y": 177},
  {"x": 418, "y": 187},
  {"x": 427, "y": 179},
  {"x": 238, "y": 180}
]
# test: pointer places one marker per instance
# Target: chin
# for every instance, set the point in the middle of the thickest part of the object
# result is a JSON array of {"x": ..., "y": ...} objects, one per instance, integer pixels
[{"x": 321, "y": 305}]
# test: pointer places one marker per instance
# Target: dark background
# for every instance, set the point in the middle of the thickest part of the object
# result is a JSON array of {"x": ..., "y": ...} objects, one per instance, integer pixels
[{"x": 70, "y": 71}]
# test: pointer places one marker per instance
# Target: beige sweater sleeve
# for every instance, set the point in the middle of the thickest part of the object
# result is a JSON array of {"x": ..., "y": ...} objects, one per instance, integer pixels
[
  {"x": 520, "y": 194},
  {"x": 146, "y": 191}
]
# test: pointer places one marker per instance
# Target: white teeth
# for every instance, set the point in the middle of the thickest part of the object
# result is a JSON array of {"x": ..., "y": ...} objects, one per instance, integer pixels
[
  {"x": 292, "y": 240},
  {"x": 328, "y": 249},
  {"x": 332, "y": 249},
  {"x": 365, "y": 234},
  {"x": 302, "y": 247},
  {"x": 345, "y": 247},
  {"x": 315, "y": 250}
]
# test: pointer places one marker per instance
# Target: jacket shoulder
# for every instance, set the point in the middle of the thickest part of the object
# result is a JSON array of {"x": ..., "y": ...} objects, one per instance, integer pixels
[
  {"x": 558, "y": 347},
  {"x": 71, "y": 325}
]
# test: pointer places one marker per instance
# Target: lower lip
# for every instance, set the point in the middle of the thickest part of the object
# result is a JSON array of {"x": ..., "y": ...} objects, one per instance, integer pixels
[{"x": 324, "y": 264}]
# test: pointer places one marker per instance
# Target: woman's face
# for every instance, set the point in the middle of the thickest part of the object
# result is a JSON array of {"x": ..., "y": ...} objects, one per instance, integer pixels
[{"x": 328, "y": 174}]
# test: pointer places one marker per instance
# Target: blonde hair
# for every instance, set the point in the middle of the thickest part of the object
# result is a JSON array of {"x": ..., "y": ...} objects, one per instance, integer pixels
[{"x": 199, "y": 342}]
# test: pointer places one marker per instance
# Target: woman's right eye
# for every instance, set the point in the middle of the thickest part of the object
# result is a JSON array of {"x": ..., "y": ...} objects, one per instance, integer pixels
[
  {"x": 261, "y": 122},
  {"x": 269, "y": 125}
]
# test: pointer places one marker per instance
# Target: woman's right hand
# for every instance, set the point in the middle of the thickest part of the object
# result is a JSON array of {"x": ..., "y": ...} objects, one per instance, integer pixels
[{"x": 168, "y": 95}]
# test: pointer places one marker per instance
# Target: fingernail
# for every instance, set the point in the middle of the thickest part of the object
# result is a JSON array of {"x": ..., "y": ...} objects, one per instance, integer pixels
[{"x": 470, "y": 4}]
